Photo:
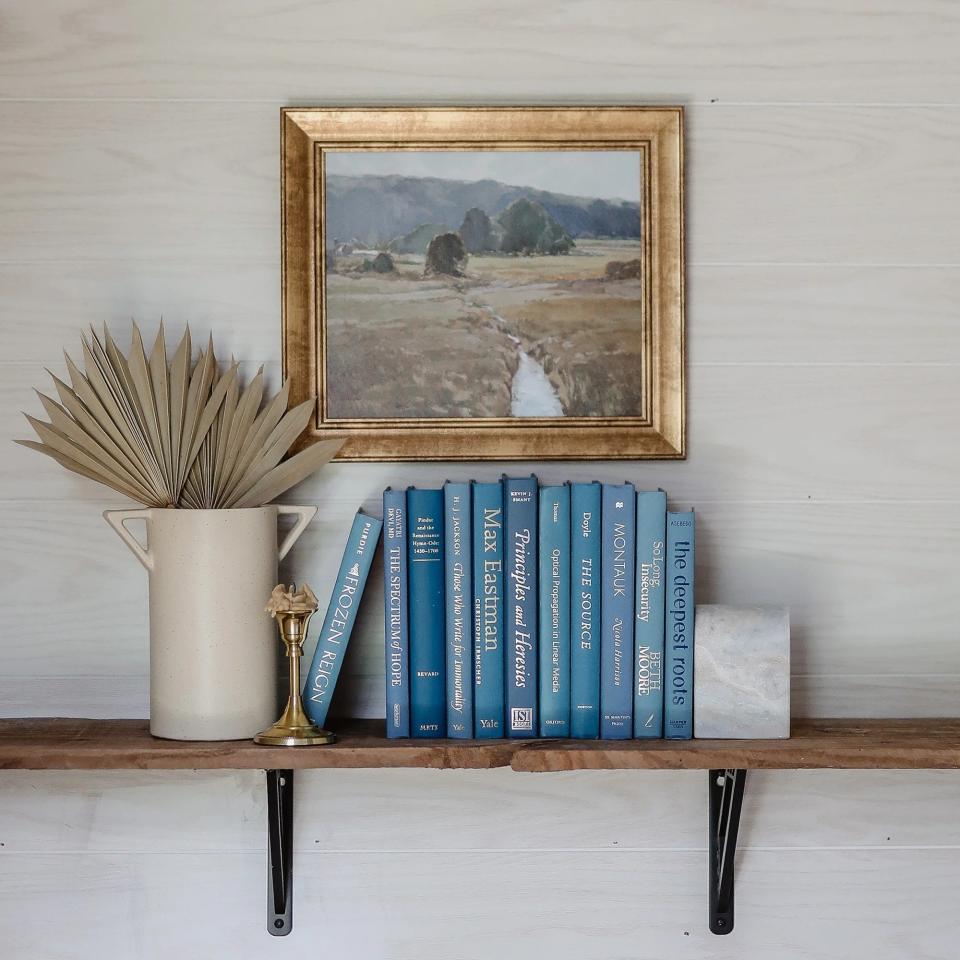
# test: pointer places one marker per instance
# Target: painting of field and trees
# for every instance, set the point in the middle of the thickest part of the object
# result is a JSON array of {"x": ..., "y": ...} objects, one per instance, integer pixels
[{"x": 478, "y": 284}]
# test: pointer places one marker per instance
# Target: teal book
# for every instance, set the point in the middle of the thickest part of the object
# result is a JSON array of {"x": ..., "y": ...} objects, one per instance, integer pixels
[
  {"x": 340, "y": 616},
  {"x": 618, "y": 548},
  {"x": 648, "y": 634},
  {"x": 554, "y": 579},
  {"x": 678, "y": 665},
  {"x": 488, "y": 693},
  {"x": 428, "y": 713},
  {"x": 458, "y": 575},
  {"x": 585, "y": 611},
  {"x": 520, "y": 604},
  {"x": 396, "y": 637}
]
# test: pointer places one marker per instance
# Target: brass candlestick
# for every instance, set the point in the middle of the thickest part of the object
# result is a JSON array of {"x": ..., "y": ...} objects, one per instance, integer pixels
[{"x": 293, "y": 609}]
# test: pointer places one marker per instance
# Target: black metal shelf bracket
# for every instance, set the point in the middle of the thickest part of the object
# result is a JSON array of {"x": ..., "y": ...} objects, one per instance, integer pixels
[
  {"x": 280, "y": 852},
  {"x": 726, "y": 801}
]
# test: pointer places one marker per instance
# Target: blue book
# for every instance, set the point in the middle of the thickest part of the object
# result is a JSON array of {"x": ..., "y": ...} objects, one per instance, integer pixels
[
  {"x": 648, "y": 628},
  {"x": 678, "y": 668},
  {"x": 585, "y": 611},
  {"x": 488, "y": 609},
  {"x": 554, "y": 627},
  {"x": 428, "y": 713},
  {"x": 458, "y": 573},
  {"x": 618, "y": 528},
  {"x": 520, "y": 604},
  {"x": 396, "y": 639},
  {"x": 340, "y": 616}
]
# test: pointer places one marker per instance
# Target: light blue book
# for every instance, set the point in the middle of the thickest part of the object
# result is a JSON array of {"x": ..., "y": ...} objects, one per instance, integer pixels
[
  {"x": 428, "y": 714},
  {"x": 585, "y": 611},
  {"x": 678, "y": 666},
  {"x": 618, "y": 549},
  {"x": 649, "y": 625},
  {"x": 396, "y": 639},
  {"x": 488, "y": 609},
  {"x": 458, "y": 573},
  {"x": 340, "y": 616},
  {"x": 520, "y": 604},
  {"x": 554, "y": 579}
]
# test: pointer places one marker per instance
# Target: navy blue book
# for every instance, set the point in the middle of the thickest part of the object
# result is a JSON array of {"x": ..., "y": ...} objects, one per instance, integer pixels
[
  {"x": 618, "y": 528},
  {"x": 396, "y": 639},
  {"x": 585, "y": 611},
  {"x": 458, "y": 567},
  {"x": 520, "y": 603},
  {"x": 678, "y": 668},
  {"x": 428, "y": 714},
  {"x": 340, "y": 616},
  {"x": 648, "y": 628},
  {"x": 554, "y": 627},
  {"x": 488, "y": 609}
]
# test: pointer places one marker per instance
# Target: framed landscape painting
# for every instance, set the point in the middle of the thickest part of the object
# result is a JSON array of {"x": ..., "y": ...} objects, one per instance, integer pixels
[{"x": 480, "y": 283}]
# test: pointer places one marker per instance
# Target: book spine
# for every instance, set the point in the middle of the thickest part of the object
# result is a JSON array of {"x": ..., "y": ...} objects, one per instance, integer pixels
[
  {"x": 649, "y": 625},
  {"x": 458, "y": 566},
  {"x": 396, "y": 638},
  {"x": 340, "y": 616},
  {"x": 520, "y": 604},
  {"x": 678, "y": 695},
  {"x": 617, "y": 566},
  {"x": 427, "y": 626},
  {"x": 554, "y": 624},
  {"x": 585, "y": 611},
  {"x": 488, "y": 609}
]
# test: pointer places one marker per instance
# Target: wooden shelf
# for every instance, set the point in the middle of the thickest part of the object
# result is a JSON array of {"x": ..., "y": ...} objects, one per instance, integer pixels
[{"x": 60, "y": 744}]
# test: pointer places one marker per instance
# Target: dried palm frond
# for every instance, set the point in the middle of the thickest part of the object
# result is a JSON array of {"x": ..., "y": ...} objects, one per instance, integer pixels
[{"x": 177, "y": 434}]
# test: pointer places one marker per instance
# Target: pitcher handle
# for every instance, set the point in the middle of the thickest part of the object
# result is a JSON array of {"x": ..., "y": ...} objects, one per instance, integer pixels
[
  {"x": 117, "y": 519},
  {"x": 306, "y": 514}
]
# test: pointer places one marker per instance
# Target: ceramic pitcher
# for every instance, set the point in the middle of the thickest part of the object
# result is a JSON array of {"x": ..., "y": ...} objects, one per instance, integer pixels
[{"x": 213, "y": 647}]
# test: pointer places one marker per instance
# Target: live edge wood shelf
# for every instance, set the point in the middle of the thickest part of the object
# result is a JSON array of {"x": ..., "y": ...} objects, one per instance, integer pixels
[{"x": 60, "y": 744}]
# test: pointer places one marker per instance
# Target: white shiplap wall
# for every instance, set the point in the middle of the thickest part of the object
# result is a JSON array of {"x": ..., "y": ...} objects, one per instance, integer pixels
[{"x": 139, "y": 177}]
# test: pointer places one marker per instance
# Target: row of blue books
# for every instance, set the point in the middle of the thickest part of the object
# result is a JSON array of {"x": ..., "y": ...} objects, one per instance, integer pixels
[{"x": 519, "y": 610}]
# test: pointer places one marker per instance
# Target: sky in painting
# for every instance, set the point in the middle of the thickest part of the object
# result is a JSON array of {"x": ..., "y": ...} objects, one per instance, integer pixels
[{"x": 606, "y": 174}]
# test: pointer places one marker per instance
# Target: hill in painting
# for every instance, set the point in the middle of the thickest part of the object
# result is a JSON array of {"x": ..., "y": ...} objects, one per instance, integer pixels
[{"x": 377, "y": 209}]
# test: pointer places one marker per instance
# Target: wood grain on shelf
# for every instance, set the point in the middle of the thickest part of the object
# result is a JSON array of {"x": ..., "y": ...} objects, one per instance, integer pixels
[
  {"x": 813, "y": 744},
  {"x": 67, "y": 744},
  {"x": 63, "y": 744}
]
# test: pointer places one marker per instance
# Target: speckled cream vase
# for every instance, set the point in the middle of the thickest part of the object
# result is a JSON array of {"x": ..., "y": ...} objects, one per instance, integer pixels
[{"x": 213, "y": 647}]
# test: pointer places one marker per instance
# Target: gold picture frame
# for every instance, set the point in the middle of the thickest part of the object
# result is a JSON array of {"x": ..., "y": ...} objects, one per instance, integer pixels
[{"x": 308, "y": 138}]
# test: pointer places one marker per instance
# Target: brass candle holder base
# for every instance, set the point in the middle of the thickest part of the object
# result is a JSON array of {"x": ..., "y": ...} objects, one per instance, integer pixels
[
  {"x": 293, "y": 610},
  {"x": 281, "y": 736}
]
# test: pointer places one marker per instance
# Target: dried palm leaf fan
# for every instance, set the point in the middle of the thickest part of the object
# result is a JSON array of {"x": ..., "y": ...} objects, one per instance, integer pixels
[{"x": 177, "y": 434}]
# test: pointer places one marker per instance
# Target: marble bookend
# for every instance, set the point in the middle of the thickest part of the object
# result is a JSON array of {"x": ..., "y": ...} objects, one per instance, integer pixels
[{"x": 741, "y": 672}]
